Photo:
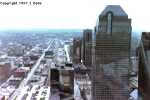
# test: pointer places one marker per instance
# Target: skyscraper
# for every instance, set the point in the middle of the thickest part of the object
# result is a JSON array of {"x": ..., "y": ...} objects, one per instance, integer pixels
[
  {"x": 112, "y": 55},
  {"x": 77, "y": 43},
  {"x": 87, "y": 47},
  {"x": 144, "y": 62}
]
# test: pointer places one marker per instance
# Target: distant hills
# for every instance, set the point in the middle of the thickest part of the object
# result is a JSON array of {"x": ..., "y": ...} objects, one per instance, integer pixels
[{"x": 60, "y": 33}]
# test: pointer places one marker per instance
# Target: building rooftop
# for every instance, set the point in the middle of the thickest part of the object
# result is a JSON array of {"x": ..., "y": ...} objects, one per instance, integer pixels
[
  {"x": 6, "y": 91},
  {"x": 35, "y": 92},
  {"x": 115, "y": 9}
]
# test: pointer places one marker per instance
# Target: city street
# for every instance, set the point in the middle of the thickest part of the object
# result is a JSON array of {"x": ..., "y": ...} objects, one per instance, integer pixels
[{"x": 26, "y": 80}]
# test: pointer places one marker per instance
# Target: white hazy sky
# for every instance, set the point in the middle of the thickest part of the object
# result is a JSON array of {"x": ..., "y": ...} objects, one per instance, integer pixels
[{"x": 71, "y": 14}]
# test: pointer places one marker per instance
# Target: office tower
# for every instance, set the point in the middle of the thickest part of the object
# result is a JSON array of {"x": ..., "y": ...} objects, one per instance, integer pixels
[
  {"x": 77, "y": 42},
  {"x": 144, "y": 62},
  {"x": 112, "y": 55},
  {"x": 87, "y": 47}
]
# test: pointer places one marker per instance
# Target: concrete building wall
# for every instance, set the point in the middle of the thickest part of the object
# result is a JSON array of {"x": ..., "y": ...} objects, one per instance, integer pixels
[{"x": 77, "y": 45}]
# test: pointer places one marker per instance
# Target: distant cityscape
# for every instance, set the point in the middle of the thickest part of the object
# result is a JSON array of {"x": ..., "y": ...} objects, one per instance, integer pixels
[{"x": 108, "y": 62}]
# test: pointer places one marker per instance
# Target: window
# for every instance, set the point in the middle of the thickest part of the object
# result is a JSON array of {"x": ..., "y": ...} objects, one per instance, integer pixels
[{"x": 109, "y": 23}]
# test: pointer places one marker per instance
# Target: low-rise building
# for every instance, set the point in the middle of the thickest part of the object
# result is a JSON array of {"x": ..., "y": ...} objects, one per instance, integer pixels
[
  {"x": 20, "y": 72},
  {"x": 34, "y": 92}
]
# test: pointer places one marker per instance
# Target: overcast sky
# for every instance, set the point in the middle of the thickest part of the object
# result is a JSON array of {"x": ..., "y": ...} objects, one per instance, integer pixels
[{"x": 71, "y": 14}]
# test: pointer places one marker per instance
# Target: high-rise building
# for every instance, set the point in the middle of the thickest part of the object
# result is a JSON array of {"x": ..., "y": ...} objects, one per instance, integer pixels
[
  {"x": 87, "y": 47},
  {"x": 77, "y": 43},
  {"x": 112, "y": 55},
  {"x": 144, "y": 62}
]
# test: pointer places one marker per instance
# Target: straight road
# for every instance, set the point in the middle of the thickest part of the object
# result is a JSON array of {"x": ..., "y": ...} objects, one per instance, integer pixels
[{"x": 30, "y": 74}]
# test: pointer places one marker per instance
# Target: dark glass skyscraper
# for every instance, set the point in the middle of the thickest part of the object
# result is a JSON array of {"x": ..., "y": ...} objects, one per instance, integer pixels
[
  {"x": 87, "y": 47},
  {"x": 144, "y": 69},
  {"x": 112, "y": 55}
]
